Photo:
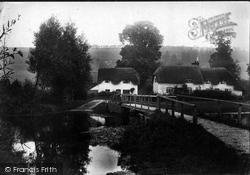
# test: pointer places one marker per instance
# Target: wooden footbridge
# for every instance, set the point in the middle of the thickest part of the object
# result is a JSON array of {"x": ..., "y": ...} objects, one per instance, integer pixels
[
  {"x": 150, "y": 103},
  {"x": 174, "y": 105}
]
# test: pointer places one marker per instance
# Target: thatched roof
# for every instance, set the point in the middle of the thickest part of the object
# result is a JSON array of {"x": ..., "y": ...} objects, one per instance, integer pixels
[
  {"x": 116, "y": 75},
  {"x": 216, "y": 75},
  {"x": 178, "y": 74}
]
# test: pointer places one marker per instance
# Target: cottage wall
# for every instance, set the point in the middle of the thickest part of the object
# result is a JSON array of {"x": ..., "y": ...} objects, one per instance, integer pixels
[
  {"x": 113, "y": 87},
  {"x": 161, "y": 88},
  {"x": 223, "y": 87}
]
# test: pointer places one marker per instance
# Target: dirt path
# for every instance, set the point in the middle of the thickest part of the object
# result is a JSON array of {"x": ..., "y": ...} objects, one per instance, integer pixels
[
  {"x": 87, "y": 107},
  {"x": 232, "y": 136},
  {"x": 235, "y": 137}
]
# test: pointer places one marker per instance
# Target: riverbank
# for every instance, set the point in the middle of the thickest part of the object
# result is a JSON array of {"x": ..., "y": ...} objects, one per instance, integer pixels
[{"x": 161, "y": 147}]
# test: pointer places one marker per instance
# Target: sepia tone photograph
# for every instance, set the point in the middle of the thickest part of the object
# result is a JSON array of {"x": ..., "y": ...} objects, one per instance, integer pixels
[{"x": 124, "y": 88}]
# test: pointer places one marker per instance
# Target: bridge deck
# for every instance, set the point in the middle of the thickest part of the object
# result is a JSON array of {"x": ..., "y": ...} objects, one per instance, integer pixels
[{"x": 146, "y": 108}]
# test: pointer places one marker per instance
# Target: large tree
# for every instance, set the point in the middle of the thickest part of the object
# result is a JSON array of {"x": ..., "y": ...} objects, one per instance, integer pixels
[
  {"x": 223, "y": 55},
  {"x": 173, "y": 60},
  {"x": 165, "y": 58},
  {"x": 60, "y": 59},
  {"x": 142, "y": 49}
]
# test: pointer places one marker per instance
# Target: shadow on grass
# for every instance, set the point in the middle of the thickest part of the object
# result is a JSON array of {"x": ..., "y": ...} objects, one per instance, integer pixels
[{"x": 173, "y": 146}]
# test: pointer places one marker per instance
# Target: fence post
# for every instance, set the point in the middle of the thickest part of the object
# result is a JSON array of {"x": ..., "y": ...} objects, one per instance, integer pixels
[
  {"x": 166, "y": 108},
  {"x": 130, "y": 100},
  {"x": 218, "y": 107},
  {"x": 158, "y": 104},
  {"x": 194, "y": 115},
  {"x": 182, "y": 112},
  {"x": 148, "y": 102},
  {"x": 239, "y": 113},
  {"x": 173, "y": 108},
  {"x": 141, "y": 102},
  {"x": 135, "y": 100}
]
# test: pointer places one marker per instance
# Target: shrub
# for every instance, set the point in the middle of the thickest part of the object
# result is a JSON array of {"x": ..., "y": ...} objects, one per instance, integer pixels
[
  {"x": 217, "y": 94},
  {"x": 105, "y": 94}
]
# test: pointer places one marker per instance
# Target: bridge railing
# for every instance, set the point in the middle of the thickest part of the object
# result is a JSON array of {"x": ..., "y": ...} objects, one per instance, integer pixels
[
  {"x": 219, "y": 107},
  {"x": 146, "y": 102},
  {"x": 177, "y": 105}
]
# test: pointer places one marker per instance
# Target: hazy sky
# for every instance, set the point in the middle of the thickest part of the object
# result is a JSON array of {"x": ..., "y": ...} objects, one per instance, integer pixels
[{"x": 101, "y": 22}]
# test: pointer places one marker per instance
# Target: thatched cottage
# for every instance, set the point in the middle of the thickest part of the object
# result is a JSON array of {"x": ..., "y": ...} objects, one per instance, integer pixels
[
  {"x": 121, "y": 80},
  {"x": 166, "y": 78}
]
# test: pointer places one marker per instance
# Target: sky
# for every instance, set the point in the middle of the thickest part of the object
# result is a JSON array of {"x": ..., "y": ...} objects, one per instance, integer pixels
[{"x": 101, "y": 22}]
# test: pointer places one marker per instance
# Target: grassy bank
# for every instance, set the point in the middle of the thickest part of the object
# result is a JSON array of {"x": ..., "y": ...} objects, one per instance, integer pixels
[{"x": 176, "y": 147}]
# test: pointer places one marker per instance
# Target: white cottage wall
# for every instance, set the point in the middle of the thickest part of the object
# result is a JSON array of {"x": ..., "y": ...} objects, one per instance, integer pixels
[
  {"x": 113, "y": 87},
  {"x": 160, "y": 88},
  {"x": 225, "y": 86}
]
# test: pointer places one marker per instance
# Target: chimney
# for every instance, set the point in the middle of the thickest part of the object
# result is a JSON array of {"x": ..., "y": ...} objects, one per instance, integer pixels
[{"x": 196, "y": 63}]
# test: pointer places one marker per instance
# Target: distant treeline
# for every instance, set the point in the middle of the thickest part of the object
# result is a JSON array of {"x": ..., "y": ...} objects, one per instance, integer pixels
[{"x": 107, "y": 57}]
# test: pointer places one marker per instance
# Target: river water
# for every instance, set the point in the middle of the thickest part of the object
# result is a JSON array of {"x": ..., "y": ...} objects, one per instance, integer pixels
[{"x": 64, "y": 139}]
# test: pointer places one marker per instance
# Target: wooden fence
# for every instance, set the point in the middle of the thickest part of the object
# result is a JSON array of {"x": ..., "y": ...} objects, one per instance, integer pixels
[{"x": 239, "y": 107}]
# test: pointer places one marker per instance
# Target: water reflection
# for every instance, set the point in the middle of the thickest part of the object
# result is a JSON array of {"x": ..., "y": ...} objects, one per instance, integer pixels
[
  {"x": 63, "y": 139},
  {"x": 58, "y": 139},
  {"x": 103, "y": 160},
  {"x": 28, "y": 148}
]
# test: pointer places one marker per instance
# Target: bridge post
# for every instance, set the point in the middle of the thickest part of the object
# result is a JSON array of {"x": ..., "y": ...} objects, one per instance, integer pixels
[
  {"x": 166, "y": 108},
  {"x": 130, "y": 101},
  {"x": 141, "y": 101},
  {"x": 239, "y": 113},
  {"x": 148, "y": 102},
  {"x": 182, "y": 111},
  {"x": 135, "y": 100},
  {"x": 194, "y": 115},
  {"x": 158, "y": 104},
  {"x": 173, "y": 108}
]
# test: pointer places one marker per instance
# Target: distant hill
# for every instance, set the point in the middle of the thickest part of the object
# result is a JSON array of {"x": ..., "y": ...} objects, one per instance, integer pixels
[{"x": 107, "y": 57}]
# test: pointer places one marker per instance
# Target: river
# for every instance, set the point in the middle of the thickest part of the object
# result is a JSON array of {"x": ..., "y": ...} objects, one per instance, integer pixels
[{"x": 64, "y": 139}]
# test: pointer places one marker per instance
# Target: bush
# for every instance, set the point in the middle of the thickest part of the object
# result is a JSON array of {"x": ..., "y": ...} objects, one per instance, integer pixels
[
  {"x": 105, "y": 94},
  {"x": 217, "y": 94}
]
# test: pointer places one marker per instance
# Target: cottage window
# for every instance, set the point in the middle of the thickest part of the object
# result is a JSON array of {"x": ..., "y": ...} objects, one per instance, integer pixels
[
  {"x": 169, "y": 90},
  {"x": 118, "y": 91},
  {"x": 190, "y": 90},
  {"x": 189, "y": 80},
  {"x": 217, "y": 89},
  {"x": 125, "y": 81},
  {"x": 106, "y": 81},
  {"x": 125, "y": 91},
  {"x": 107, "y": 90}
]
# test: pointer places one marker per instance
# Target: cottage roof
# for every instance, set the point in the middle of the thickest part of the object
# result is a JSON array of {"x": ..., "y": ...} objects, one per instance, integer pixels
[
  {"x": 116, "y": 75},
  {"x": 216, "y": 75},
  {"x": 178, "y": 74}
]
